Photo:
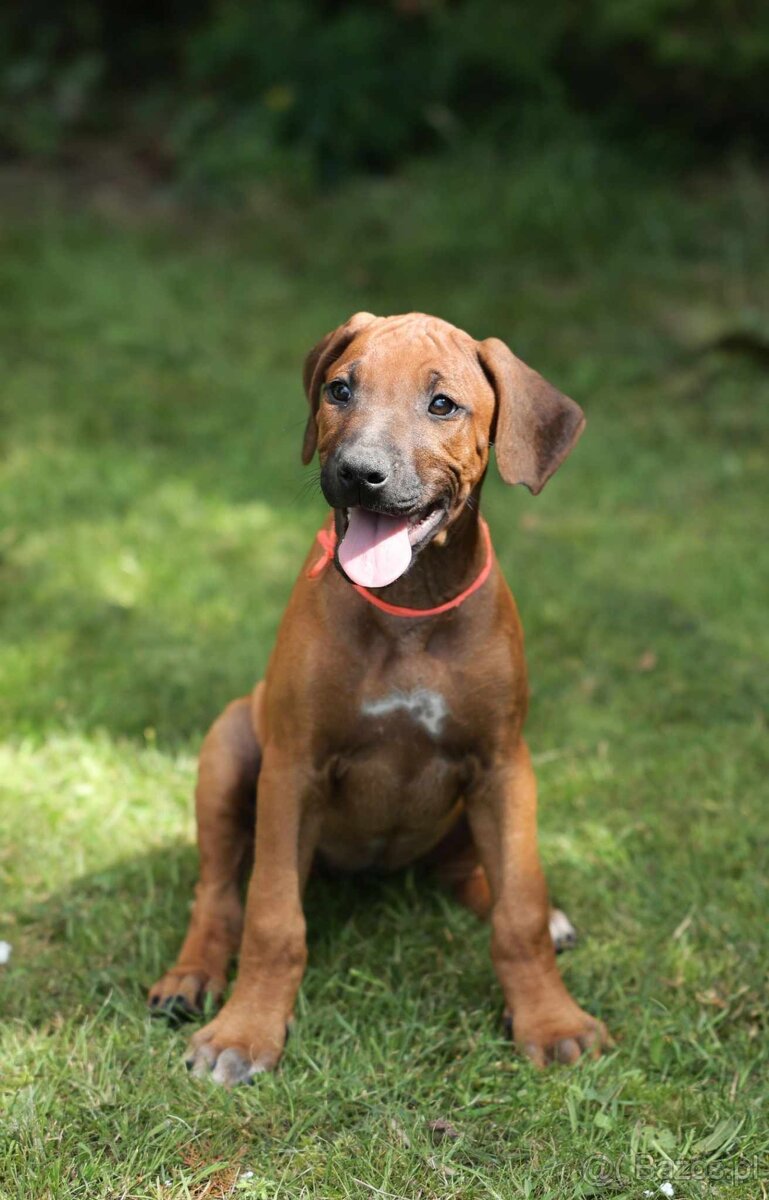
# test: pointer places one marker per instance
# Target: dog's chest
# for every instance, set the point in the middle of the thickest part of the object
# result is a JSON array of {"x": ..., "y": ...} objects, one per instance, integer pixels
[
  {"x": 387, "y": 809},
  {"x": 424, "y": 707},
  {"x": 397, "y": 782}
]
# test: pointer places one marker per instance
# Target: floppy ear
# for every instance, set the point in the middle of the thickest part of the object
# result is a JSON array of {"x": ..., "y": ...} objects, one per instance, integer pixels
[
  {"x": 535, "y": 426},
  {"x": 317, "y": 363}
]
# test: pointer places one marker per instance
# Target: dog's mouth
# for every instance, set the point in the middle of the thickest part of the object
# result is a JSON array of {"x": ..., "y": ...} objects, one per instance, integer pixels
[{"x": 377, "y": 547}]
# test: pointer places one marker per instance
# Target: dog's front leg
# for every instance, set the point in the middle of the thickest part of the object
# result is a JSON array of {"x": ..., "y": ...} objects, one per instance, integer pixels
[
  {"x": 548, "y": 1025},
  {"x": 249, "y": 1033}
]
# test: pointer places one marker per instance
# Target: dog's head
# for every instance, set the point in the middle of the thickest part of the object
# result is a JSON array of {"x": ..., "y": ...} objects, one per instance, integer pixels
[{"x": 403, "y": 411}]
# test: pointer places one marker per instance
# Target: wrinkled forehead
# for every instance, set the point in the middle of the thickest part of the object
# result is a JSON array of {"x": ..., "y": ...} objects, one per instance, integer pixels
[{"x": 426, "y": 351}]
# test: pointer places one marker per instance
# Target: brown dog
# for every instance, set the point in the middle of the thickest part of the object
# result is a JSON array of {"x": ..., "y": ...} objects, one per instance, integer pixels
[{"x": 388, "y": 727}]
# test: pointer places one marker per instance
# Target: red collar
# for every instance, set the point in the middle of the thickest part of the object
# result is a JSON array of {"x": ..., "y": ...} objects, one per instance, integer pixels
[{"x": 327, "y": 540}]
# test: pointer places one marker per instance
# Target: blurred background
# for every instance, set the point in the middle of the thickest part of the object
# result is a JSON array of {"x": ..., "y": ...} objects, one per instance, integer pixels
[
  {"x": 217, "y": 94},
  {"x": 191, "y": 195}
]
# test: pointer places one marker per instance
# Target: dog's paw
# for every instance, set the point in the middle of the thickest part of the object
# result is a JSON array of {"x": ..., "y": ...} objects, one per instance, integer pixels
[
  {"x": 563, "y": 1035},
  {"x": 562, "y": 931},
  {"x": 233, "y": 1050},
  {"x": 183, "y": 995}
]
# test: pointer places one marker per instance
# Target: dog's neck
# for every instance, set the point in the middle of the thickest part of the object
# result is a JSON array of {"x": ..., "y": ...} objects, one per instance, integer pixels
[{"x": 445, "y": 568}]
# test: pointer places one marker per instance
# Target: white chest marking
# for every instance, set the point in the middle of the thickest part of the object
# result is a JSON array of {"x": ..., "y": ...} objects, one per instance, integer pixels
[{"x": 427, "y": 708}]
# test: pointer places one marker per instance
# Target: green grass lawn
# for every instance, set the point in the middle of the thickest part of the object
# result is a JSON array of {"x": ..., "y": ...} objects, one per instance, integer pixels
[{"x": 153, "y": 515}]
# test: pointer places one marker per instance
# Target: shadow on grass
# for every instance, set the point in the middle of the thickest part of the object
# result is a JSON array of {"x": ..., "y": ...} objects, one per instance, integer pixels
[{"x": 101, "y": 942}]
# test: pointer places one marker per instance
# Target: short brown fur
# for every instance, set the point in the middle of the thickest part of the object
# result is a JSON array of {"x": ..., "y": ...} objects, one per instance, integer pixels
[{"x": 359, "y": 788}]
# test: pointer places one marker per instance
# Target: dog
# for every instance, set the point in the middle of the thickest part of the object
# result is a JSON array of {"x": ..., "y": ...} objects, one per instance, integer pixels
[{"x": 388, "y": 727}]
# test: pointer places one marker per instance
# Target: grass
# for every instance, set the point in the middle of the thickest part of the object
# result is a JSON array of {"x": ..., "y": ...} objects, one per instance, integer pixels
[{"x": 152, "y": 517}]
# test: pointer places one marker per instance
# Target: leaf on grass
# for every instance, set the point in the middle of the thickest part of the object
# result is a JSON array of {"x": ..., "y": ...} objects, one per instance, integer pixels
[
  {"x": 712, "y": 999},
  {"x": 721, "y": 1139},
  {"x": 442, "y": 1130}
]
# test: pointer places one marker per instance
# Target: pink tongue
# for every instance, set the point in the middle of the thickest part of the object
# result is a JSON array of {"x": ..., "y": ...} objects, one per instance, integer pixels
[{"x": 376, "y": 549}]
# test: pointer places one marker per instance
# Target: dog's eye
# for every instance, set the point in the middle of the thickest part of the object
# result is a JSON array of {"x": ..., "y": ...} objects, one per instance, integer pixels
[
  {"x": 339, "y": 391},
  {"x": 441, "y": 406}
]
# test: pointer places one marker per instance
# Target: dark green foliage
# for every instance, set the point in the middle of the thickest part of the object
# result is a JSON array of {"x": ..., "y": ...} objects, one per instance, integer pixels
[{"x": 227, "y": 92}]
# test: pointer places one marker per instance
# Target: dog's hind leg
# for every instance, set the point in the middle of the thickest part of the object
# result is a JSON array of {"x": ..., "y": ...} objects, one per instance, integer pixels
[
  {"x": 457, "y": 867},
  {"x": 225, "y": 801}
]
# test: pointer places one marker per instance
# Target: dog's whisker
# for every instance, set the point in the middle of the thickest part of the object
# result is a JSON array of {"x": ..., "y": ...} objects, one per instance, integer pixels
[{"x": 308, "y": 485}]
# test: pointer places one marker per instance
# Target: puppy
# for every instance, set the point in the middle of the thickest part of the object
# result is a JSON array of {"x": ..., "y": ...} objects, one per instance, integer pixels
[{"x": 389, "y": 725}]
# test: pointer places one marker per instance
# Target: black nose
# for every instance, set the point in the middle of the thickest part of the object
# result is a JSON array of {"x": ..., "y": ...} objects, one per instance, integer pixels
[{"x": 362, "y": 467}]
